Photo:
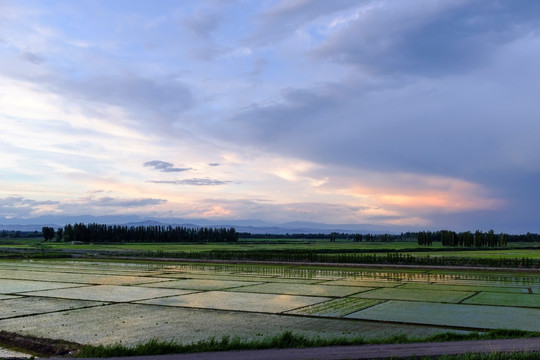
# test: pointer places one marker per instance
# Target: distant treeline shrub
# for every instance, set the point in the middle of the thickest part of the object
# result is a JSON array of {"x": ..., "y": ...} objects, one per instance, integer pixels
[
  {"x": 468, "y": 239},
  {"x": 19, "y": 234},
  {"x": 357, "y": 237}
]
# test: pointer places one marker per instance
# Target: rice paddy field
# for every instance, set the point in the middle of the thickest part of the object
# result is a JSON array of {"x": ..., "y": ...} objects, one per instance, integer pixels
[
  {"x": 100, "y": 302},
  {"x": 513, "y": 250}
]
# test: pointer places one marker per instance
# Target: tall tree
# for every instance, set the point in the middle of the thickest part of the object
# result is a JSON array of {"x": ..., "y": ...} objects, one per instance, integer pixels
[{"x": 48, "y": 233}]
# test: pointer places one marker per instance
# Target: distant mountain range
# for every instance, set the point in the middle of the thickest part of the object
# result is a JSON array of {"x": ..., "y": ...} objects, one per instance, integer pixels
[{"x": 251, "y": 226}]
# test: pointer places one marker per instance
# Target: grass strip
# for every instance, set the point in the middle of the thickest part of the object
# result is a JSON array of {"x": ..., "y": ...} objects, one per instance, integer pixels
[
  {"x": 285, "y": 340},
  {"x": 487, "y": 356}
]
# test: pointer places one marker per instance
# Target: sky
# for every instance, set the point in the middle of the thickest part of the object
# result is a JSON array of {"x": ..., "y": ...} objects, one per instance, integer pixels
[{"x": 421, "y": 114}]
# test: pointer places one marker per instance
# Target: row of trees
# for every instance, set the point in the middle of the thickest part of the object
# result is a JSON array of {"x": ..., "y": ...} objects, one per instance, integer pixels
[
  {"x": 463, "y": 239},
  {"x": 117, "y": 233},
  {"x": 15, "y": 234},
  {"x": 99, "y": 233},
  {"x": 333, "y": 236}
]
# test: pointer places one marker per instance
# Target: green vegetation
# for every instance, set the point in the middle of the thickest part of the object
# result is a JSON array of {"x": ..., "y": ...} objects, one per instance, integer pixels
[
  {"x": 442, "y": 296},
  {"x": 453, "y": 315},
  {"x": 489, "y": 356},
  {"x": 468, "y": 239},
  {"x": 285, "y": 340},
  {"x": 336, "y": 307},
  {"x": 464, "y": 239},
  {"x": 343, "y": 257},
  {"x": 490, "y": 298},
  {"x": 48, "y": 233},
  {"x": 100, "y": 233},
  {"x": 182, "y": 243},
  {"x": 31, "y": 254},
  {"x": 517, "y": 255}
]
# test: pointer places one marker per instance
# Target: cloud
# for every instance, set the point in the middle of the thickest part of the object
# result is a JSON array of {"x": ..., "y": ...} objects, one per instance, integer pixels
[
  {"x": 286, "y": 16},
  {"x": 34, "y": 58},
  {"x": 476, "y": 127},
  {"x": 106, "y": 204},
  {"x": 427, "y": 37},
  {"x": 458, "y": 126},
  {"x": 115, "y": 202},
  {"x": 300, "y": 97},
  {"x": 202, "y": 24},
  {"x": 154, "y": 101},
  {"x": 20, "y": 207},
  {"x": 19, "y": 201},
  {"x": 281, "y": 212},
  {"x": 164, "y": 166},
  {"x": 166, "y": 98},
  {"x": 195, "y": 182}
]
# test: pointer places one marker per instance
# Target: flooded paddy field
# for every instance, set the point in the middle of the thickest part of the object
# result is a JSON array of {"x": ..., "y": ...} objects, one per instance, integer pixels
[{"x": 99, "y": 302}]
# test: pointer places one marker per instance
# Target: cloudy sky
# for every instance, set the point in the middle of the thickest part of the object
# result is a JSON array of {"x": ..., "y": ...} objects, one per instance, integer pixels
[{"x": 421, "y": 114}]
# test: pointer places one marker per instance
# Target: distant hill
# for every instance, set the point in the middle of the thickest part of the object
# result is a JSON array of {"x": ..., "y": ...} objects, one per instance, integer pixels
[{"x": 246, "y": 225}]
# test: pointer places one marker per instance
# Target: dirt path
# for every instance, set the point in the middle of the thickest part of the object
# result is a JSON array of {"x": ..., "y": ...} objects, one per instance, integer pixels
[{"x": 364, "y": 351}]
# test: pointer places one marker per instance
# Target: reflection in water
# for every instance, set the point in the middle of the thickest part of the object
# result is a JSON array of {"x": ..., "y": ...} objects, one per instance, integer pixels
[{"x": 305, "y": 272}]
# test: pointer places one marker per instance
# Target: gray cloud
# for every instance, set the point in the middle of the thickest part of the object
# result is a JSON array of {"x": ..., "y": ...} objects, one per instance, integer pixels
[
  {"x": 194, "y": 181},
  {"x": 122, "y": 203},
  {"x": 20, "y": 207},
  {"x": 287, "y": 16},
  {"x": 467, "y": 127},
  {"x": 202, "y": 24},
  {"x": 18, "y": 201},
  {"x": 96, "y": 205},
  {"x": 479, "y": 128},
  {"x": 34, "y": 58},
  {"x": 163, "y": 97},
  {"x": 430, "y": 38},
  {"x": 164, "y": 166}
]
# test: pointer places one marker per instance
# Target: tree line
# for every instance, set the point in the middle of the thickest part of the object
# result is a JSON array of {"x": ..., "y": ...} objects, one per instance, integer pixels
[
  {"x": 463, "y": 239},
  {"x": 16, "y": 234},
  {"x": 356, "y": 237},
  {"x": 100, "y": 233},
  {"x": 118, "y": 233}
]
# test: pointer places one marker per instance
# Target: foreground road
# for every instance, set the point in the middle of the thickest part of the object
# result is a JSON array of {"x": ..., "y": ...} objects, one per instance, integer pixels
[{"x": 363, "y": 352}]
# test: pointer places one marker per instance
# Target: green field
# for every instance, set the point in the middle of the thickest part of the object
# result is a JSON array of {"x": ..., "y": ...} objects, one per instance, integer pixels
[
  {"x": 453, "y": 315},
  {"x": 516, "y": 255},
  {"x": 105, "y": 302},
  {"x": 265, "y": 244}
]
